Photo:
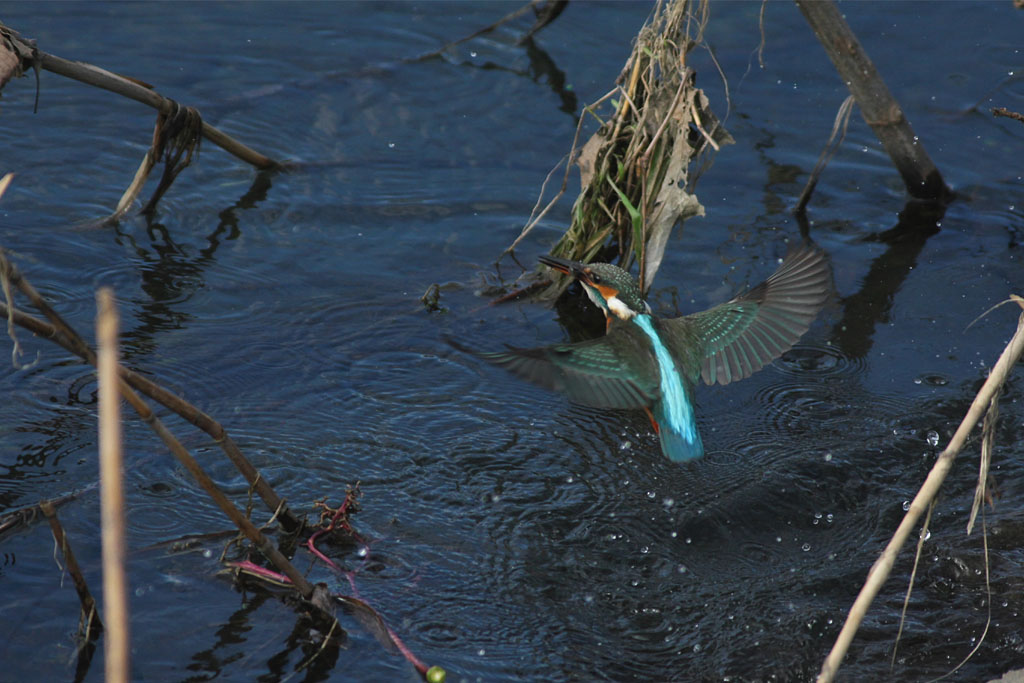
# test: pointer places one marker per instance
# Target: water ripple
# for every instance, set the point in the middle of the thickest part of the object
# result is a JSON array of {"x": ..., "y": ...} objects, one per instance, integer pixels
[{"x": 822, "y": 361}]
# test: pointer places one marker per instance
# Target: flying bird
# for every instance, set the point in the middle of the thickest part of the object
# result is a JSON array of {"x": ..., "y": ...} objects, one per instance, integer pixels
[{"x": 653, "y": 363}]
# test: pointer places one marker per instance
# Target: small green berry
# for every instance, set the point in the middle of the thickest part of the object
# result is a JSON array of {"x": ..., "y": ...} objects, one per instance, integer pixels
[{"x": 436, "y": 674}]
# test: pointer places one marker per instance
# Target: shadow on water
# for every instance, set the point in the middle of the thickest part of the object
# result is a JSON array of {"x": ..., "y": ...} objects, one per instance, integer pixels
[
  {"x": 296, "y": 647},
  {"x": 229, "y": 221},
  {"x": 868, "y": 307},
  {"x": 171, "y": 272}
]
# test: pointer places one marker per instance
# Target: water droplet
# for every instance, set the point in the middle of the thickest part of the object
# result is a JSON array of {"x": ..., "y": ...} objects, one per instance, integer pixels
[
  {"x": 652, "y": 495},
  {"x": 644, "y": 550},
  {"x": 829, "y": 517},
  {"x": 668, "y": 502},
  {"x": 481, "y": 652},
  {"x": 363, "y": 551},
  {"x": 828, "y": 457},
  {"x": 569, "y": 479},
  {"x": 906, "y": 505},
  {"x": 472, "y": 53},
  {"x": 689, "y": 540},
  {"x": 391, "y": 145},
  {"x": 805, "y": 547},
  {"x": 625, "y": 445},
  {"x": 932, "y": 438},
  {"x": 778, "y": 539},
  {"x": 696, "y": 647},
  {"x": 681, "y": 569},
  {"x": 674, "y": 534}
]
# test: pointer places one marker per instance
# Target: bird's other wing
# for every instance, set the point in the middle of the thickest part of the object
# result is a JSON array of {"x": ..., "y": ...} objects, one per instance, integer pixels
[
  {"x": 741, "y": 336},
  {"x": 613, "y": 371}
]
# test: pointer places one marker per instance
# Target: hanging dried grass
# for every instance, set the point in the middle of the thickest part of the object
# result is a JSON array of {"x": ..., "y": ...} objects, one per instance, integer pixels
[{"x": 634, "y": 171}]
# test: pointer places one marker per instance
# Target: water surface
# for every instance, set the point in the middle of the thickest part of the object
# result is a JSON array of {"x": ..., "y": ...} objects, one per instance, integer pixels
[{"x": 512, "y": 535}]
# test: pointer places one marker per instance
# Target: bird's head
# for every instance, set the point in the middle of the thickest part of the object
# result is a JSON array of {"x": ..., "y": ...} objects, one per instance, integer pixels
[{"x": 611, "y": 288}]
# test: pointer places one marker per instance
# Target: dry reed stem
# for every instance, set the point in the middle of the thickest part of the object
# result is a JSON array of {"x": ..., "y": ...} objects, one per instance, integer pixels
[
  {"x": 117, "y": 645},
  {"x": 135, "y": 188},
  {"x": 634, "y": 169},
  {"x": 929, "y": 489},
  {"x": 879, "y": 108},
  {"x": 101, "y": 78}
]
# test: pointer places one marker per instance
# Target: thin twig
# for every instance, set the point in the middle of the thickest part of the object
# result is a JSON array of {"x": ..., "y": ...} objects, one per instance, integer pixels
[
  {"x": 1003, "y": 111},
  {"x": 988, "y": 435},
  {"x": 840, "y": 123},
  {"x": 988, "y": 603},
  {"x": 910, "y": 584},
  {"x": 565, "y": 180},
  {"x": 760, "y": 26},
  {"x": 479, "y": 32},
  {"x": 117, "y": 645},
  {"x": 5, "y": 286},
  {"x": 696, "y": 122}
]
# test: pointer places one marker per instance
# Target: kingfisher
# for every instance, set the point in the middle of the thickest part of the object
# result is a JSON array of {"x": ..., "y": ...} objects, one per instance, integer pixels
[{"x": 653, "y": 363}]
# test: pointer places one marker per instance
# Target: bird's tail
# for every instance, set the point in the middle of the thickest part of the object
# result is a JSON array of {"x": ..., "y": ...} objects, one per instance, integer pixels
[{"x": 682, "y": 445}]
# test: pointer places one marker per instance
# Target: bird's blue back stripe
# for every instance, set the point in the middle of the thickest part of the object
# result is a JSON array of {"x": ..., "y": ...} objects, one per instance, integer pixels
[{"x": 678, "y": 411}]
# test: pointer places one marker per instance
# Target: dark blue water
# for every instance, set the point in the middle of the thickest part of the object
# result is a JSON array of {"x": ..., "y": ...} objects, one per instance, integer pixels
[{"x": 514, "y": 536}]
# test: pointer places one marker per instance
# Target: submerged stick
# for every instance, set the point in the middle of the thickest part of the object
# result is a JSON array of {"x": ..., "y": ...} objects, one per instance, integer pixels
[
  {"x": 117, "y": 645},
  {"x": 880, "y": 109},
  {"x": 90, "y": 622},
  {"x": 929, "y": 489},
  {"x": 61, "y": 333}
]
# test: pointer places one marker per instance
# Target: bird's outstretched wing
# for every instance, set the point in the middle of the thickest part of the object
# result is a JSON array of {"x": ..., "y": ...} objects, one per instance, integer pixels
[
  {"x": 613, "y": 371},
  {"x": 743, "y": 335}
]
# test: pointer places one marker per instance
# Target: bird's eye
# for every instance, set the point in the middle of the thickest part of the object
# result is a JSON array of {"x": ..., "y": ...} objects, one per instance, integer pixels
[{"x": 594, "y": 277}]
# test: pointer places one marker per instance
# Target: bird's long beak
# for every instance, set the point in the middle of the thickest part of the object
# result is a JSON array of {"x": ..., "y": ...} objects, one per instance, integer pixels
[{"x": 574, "y": 268}]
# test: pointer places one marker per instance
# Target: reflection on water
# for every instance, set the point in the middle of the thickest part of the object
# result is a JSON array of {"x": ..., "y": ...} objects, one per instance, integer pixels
[{"x": 512, "y": 535}]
